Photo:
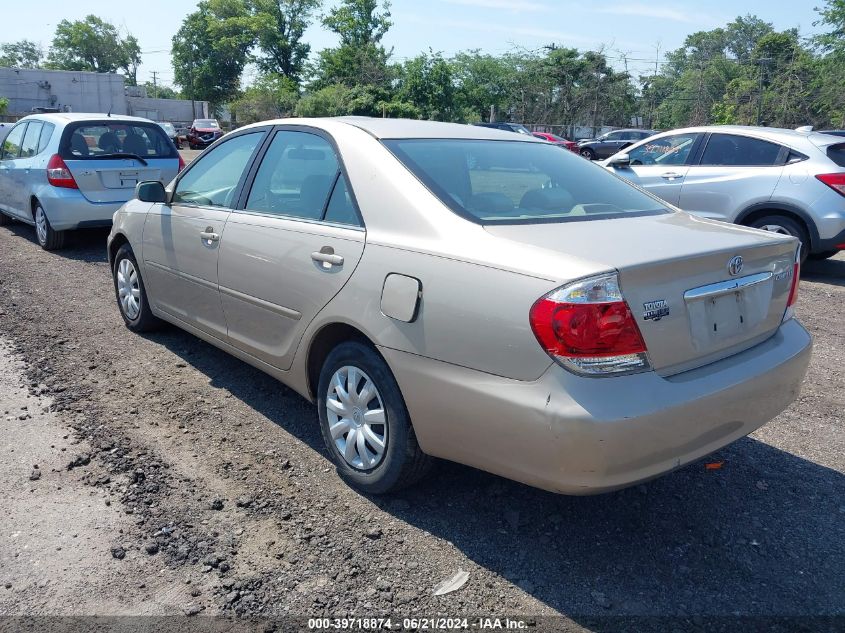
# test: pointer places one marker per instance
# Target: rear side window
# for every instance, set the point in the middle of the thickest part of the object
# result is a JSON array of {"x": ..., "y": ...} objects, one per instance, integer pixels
[
  {"x": 29, "y": 147},
  {"x": 104, "y": 139},
  {"x": 836, "y": 153},
  {"x": 296, "y": 176},
  {"x": 46, "y": 135},
  {"x": 511, "y": 182},
  {"x": 739, "y": 151}
]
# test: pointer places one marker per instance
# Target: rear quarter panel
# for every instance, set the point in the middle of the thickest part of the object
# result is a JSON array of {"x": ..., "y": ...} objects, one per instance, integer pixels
[{"x": 470, "y": 315}]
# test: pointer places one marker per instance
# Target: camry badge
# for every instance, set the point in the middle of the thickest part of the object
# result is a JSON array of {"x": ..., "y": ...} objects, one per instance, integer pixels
[
  {"x": 655, "y": 310},
  {"x": 735, "y": 265}
]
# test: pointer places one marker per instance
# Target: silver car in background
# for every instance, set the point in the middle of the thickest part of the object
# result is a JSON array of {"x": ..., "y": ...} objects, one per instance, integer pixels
[
  {"x": 786, "y": 181},
  {"x": 70, "y": 171},
  {"x": 466, "y": 293}
]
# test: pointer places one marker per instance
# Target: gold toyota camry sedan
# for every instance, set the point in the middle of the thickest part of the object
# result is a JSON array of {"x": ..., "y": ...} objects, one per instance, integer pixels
[{"x": 452, "y": 291}]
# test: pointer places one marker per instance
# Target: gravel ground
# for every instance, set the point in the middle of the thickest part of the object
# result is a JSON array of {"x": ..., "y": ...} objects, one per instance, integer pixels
[{"x": 228, "y": 503}]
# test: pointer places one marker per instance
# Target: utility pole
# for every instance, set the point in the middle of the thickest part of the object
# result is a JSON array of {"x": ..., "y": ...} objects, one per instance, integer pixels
[
  {"x": 763, "y": 61},
  {"x": 155, "y": 84}
]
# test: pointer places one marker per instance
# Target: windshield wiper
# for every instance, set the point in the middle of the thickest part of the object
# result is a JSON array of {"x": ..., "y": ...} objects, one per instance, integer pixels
[{"x": 120, "y": 155}]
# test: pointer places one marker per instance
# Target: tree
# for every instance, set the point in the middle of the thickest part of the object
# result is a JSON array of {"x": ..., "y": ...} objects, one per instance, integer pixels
[
  {"x": 160, "y": 92},
  {"x": 426, "y": 82},
  {"x": 482, "y": 81},
  {"x": 210, "y": 50},
  {"x": 21, "y": 54},
  {"x": 273, "y": 96},
  {"x": 94, "y": 45},
  {"x": 280, "y": 25},
  {"x": 360, "y": 58},
  {"x": 4, "y": 105},
  {"x": 833, "y": 17}
]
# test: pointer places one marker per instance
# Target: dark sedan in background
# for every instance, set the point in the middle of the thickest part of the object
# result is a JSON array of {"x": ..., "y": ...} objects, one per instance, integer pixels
[{"x": 610, "y": 143}]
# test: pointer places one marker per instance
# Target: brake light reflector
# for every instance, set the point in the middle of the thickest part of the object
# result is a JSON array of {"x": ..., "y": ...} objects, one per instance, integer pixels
[
  {"x": 181, "y": 163},
  {"x": 834, "y": 181},
  {"x": 588, "y": 328},
  {"x": 58, "y": 173},
  {"x": 793, "y": 289}
]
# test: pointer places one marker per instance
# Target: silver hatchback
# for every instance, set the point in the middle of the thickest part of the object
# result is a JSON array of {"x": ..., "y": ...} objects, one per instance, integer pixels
[
  {"x": 786, "y": 181},
  {"x": 69, "y": 171}
]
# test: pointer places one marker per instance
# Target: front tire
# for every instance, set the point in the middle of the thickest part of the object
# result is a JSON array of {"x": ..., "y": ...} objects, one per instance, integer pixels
[
  {"x": 365, "y": 424},
  {"x": 48, "y": 238},
  {"x": 785, "y": 225},
  {"x": 131, "y": 294},
  {"x": 587, "y": 153}
]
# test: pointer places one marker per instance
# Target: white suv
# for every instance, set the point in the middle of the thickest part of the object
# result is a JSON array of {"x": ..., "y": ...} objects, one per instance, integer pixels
[{"x": 787, "y": 181}]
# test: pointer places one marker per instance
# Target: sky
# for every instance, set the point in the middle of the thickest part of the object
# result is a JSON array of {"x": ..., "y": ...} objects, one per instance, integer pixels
[{"x": 632, "y": 30}]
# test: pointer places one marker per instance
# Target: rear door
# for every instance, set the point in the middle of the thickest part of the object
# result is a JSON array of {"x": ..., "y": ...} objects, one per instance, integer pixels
[
  {"x": 734, "y": 173},
  {"x": 25, "y": 171},
  {"x": 660, "y": 166},
  {"x": 108, "y": 158},
  {"x": 182, "y": 239},
  {"x": 291, "y": 246}
]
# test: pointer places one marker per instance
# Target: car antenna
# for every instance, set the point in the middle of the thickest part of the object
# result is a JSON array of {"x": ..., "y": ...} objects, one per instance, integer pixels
[{"x": 108, "y": 114}]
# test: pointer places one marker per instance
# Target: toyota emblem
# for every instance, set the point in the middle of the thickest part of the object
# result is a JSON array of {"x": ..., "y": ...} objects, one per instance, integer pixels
[{"x": 735, "y": 265}]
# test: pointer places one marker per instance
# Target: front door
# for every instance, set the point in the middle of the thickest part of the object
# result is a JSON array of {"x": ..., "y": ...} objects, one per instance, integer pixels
[
  {"x": 660, "y": 166},
  {"x": 10, "y": 187},
  {"x": 291, "y": 249},
  {"x": 182, "y": 239}
]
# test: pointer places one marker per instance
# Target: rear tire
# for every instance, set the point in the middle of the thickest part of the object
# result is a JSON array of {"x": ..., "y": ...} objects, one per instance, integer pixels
[
  {"x": 785, "y": 225},
  {"x": 131, "y": 294},
  {"x": 48, "y": 238},
  {"x": 393, "y": 457}
]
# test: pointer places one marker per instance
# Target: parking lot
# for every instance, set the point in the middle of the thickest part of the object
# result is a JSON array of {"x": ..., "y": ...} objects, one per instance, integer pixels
[{"x": 193, "y": 483}]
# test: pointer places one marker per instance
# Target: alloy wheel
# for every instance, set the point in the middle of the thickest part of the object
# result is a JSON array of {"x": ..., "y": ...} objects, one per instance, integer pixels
[
  {"x": 41, "y": 225},
  {"x": 357, "y": 419},
  {"x": 128, "y": 289},
  {"x": 775, "y": 228}
]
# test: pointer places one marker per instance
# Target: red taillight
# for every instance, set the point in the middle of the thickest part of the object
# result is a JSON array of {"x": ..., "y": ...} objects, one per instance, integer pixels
[
  {"x": 58, "y": 173},
  {"x": 181, "y": 163},
  {"x": 588, "y": 328},
  {"x": 793, "y": 289},
  {"x": 834, "y": 181}
]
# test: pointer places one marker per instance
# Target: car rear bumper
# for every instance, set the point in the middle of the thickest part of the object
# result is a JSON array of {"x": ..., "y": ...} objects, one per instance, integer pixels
[
  {"x": 68, "y": 209},
  {"x": 835, "y": 243},
  {"x": 578, "y": 435}
]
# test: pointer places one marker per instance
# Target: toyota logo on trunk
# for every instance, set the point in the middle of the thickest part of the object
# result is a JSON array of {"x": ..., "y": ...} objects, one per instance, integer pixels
[{"x": 735, "y": 265}]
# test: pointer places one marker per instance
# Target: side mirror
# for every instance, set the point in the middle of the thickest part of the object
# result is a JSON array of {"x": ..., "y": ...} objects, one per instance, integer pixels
[
  {"x": 150, "y": 191},
  {"x": 618, "y": 160}
]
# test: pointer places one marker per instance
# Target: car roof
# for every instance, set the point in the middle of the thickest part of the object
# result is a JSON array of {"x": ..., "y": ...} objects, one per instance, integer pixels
[
  {"x": 407, "y": 128},
  {"x": 779, "y": 135},
  {"x": 72, "y": 117}
]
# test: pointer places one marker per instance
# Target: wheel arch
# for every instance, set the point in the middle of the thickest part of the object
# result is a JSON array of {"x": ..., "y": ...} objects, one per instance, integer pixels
[
  {"x": 323, "y": 342},
  {"x": 761, "y": 209},
  {"x": 116, "y": 242}
]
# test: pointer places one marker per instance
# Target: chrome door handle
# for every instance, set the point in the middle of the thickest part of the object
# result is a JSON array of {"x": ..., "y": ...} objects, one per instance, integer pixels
[
  {"x": 670, "y": 175},
  {"x": 327, "y": 257},
  {"x": 209, "y": 235}
]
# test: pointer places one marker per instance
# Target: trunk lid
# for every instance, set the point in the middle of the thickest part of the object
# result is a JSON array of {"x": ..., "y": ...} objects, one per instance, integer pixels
[
  {"x": 674, "y": 273},
  {"x": 114, "y": 180}
]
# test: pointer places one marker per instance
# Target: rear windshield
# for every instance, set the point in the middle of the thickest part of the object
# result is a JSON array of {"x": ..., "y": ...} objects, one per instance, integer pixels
[
  {"x": 836, "y": 153},
  {"x": 92, "y": 140},
  {"x": 516, "y": 182}
]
